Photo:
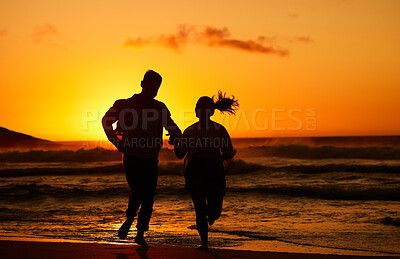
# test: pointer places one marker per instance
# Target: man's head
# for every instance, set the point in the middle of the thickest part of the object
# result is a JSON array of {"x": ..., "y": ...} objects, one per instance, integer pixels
[{"x": 151, "y": 83}]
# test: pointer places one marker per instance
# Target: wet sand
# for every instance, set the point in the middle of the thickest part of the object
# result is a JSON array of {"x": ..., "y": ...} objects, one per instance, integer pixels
[{"x": 30, "y": 249}]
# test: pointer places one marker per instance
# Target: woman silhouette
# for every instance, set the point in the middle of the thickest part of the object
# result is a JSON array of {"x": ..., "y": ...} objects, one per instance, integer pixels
[{"x": 206, "y": 145}]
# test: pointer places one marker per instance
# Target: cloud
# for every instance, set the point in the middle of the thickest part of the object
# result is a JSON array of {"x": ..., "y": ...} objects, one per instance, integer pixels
[
  {"x": 173, "y": 41},
  {"x": 304, "y": 39},
  {"x": 208, "y": 36},
  {"x": 293, "y": 15},
  {"x": 45, "y": 34}
]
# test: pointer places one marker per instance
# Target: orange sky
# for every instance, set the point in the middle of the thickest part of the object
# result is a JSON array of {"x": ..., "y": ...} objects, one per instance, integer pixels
[{"x": 298, "y": 67}]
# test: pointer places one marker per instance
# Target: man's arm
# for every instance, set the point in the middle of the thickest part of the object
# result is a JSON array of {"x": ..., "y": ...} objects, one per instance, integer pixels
[
  {"x": 173, "y": 130},
  {"x": 180, "y": 149},
  {"x": 111, "y": 116}
]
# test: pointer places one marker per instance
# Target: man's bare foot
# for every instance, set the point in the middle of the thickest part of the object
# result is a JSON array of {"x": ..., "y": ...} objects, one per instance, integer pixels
[
  {"x": 202, "y": 247},
  {"x": 124, "y": 229},
  {"x": 140, "y": 241}
]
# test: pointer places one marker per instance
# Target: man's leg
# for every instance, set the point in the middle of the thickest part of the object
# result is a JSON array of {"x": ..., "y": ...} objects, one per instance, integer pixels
[
  {"x": 133, "y": 168},
  {"x": 149, "y": 184}
]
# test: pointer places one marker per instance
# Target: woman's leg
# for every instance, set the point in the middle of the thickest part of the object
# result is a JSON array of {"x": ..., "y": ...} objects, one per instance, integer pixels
[
  {"x": 197, "y": 191},
  {"x": 215, "y": 192}
]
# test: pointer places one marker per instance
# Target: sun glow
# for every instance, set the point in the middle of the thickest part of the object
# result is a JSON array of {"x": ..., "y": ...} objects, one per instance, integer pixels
[{"x": 61, "y": 74}]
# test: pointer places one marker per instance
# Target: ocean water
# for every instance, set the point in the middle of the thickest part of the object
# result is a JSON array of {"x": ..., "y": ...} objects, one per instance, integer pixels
[{"x": 315, "y": 198}]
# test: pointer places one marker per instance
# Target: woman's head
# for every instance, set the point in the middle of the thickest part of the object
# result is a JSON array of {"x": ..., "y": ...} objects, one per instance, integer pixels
[{"x": 206, "y": 106}]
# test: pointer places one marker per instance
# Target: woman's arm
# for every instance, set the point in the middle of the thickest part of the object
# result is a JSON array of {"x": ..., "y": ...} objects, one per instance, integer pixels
[{"x": 227, "y": 147}]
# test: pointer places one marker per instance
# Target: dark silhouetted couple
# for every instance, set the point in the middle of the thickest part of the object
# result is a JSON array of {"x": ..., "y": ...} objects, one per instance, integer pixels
[{"x": 204, "y": 145}]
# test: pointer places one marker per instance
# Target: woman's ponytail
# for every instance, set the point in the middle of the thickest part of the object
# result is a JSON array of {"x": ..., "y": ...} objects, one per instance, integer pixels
[{"x": 225, "y": 104}]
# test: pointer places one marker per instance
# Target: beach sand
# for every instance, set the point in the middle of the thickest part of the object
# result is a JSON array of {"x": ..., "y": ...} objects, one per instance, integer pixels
[{"x": 31, "y": 249}]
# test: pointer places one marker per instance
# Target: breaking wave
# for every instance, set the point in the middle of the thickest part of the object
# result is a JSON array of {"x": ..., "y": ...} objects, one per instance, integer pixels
[
  {"x": 35, "y": 191},
  {"x": 288, "y": 151},
  {"x": 236, "y": 166},
  {"x": 323, "y": 152},
  {"x": 331, "y": 192}
]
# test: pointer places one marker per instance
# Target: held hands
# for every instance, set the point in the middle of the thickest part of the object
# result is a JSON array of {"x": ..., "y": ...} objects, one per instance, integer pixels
[{"x": 174, "y": 137}]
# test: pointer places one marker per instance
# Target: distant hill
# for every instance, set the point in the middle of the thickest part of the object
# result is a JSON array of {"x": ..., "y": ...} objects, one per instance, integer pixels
[{"x": 14, "y": 140}]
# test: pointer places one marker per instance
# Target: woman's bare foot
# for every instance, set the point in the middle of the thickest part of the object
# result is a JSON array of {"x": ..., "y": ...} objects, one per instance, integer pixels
[
  {"x": 139, "y": 239},
  {"x": 141, "y": 242}
]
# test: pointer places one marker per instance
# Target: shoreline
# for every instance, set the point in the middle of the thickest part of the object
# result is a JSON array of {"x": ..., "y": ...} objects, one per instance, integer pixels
[{"x": 30, "y": 247}]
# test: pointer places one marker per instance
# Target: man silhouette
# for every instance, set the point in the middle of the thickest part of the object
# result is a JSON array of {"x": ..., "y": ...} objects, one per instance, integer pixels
[{"x": 138, "y": 135}]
